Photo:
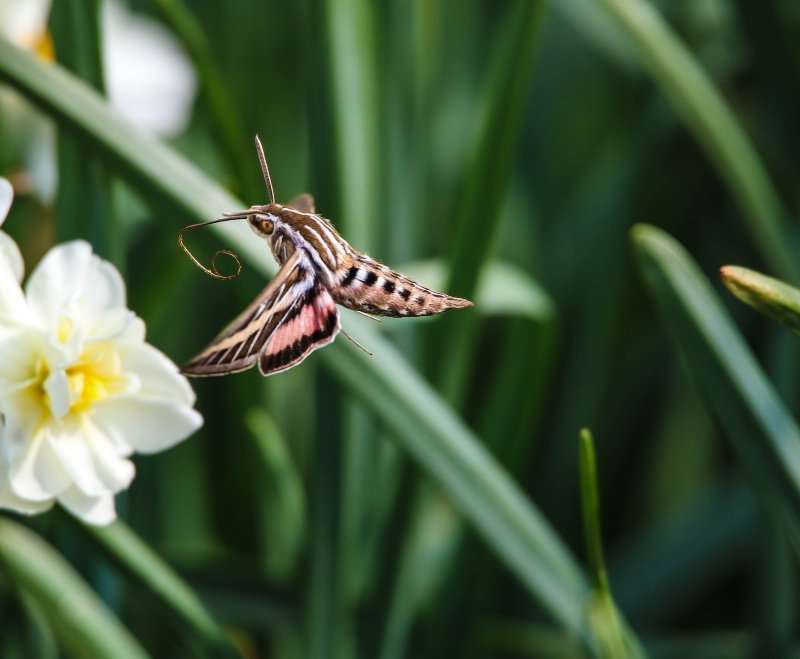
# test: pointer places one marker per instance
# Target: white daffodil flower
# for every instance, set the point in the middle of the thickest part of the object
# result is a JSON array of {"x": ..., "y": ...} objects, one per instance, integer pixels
[{"x": 80, "y": 389}]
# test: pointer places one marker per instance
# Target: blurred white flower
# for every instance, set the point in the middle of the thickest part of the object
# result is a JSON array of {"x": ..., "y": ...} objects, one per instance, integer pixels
[
  {"x": 149, "y": 79},
  {"x": 32, "y": 135},
  {"x": 80, "y": 390}
]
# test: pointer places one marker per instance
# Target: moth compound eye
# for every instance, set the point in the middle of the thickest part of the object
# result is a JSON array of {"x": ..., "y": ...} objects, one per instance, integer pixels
[{"x": 261, "y": 225}]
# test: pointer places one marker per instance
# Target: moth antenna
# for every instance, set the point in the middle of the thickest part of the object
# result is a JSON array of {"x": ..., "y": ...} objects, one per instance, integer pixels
[
  {"x": 265, "y": 169},
  {"x": 213, "y": 272},
  {"x": 357, "y": 343}
]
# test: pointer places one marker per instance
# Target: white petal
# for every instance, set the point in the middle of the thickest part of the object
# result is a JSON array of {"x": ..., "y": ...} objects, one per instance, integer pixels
[
  {"x": 110, "y": 324},
  {"x": 115, "y": 471},
  {"x": 54, "y": 458},
  {"x": 18, "y": 362},
  {"x": 57, "y": 388},
  {"x": 147, "y": 424},
  {"x": 23, "y": 457},
  {"x": 106, "y": 289},
  {"x": 8, "y": 498},
  {"x": 9, "y": 250},
  {"x": 6, "y": 198},
  {"x": 49, "y": 472},
  {"x": 23, "y": 439},
  {"x": 98, "y": 510},
  {"x": 11, "y": 501},
  {"x": 68, "y": 442},
  {"x": 134, "y": 331},
  {"x": 159, "y": 376},
  {"x": 57, "y": 280},
  {"x": 70, "y": 277},
  {"x": 13, "y": 307}
]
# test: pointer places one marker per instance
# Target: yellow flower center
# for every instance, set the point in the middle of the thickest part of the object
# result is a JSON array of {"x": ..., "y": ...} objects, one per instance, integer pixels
[
  {"x": 86, "y": 387},
  {"x": 76, "y": 389}
]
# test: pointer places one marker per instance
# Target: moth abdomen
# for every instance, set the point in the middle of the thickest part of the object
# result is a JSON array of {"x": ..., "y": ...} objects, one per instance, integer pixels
[{"x": 368, "y": 286}]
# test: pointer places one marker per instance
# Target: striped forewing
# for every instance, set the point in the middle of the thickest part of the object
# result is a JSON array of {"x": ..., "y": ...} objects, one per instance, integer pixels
[
  {"x": 290, "y": 318},
  {"x": 310, "y": 324}
]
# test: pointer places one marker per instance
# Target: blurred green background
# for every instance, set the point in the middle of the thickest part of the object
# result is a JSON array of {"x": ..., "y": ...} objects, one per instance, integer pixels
[{"x": 426, "y": 502}]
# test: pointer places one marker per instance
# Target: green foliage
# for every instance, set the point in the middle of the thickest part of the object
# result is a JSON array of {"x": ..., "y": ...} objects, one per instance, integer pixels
[{"x": 426, "y": 500}]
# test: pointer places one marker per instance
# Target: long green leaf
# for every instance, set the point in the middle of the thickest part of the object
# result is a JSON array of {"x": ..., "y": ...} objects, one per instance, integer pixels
[
  {"x": 426, "y": 427},
  {"x": 763, "y": 434},
  {"x": 81, "y": 622}
]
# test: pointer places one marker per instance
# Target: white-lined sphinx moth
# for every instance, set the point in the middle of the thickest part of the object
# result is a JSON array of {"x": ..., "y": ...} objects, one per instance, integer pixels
[{"x": 296, "y": 313}]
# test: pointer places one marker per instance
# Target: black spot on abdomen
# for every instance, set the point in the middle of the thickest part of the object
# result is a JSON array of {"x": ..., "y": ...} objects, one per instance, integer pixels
[{"x": 350, "y": 276}]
